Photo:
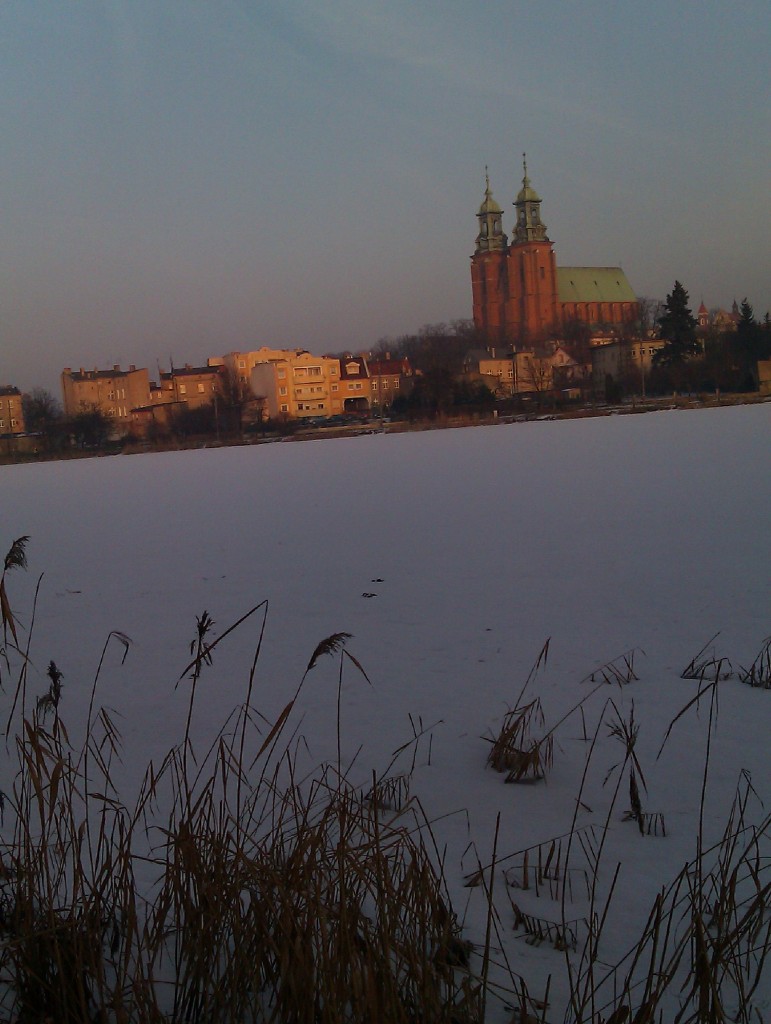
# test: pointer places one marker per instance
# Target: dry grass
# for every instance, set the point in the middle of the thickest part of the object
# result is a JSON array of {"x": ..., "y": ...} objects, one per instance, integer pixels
[
  {"x": 233, "y": 891},
  {"x": 269, "y": 898},
  {"x": 304, "y": 903},
  {"x": 516, "y": 751},
  {"x": 759, "y": 672},
  {"x": 705, "y": 664}
]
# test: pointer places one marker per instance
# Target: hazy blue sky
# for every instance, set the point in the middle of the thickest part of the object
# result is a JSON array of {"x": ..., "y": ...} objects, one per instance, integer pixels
[{"x": 182, "y": 178}]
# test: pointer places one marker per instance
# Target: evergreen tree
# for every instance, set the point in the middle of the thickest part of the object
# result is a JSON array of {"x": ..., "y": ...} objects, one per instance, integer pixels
[
  {"x": 677, "y": 326},
  {"x": 746, "y": 317},
  {"x": 752, "y": 342}
]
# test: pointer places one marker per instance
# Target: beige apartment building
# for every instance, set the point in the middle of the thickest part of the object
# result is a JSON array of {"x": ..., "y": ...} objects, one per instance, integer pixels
[
  {"x": 241, "y": 364},
  {"x": 114, "y": 392},
  {"x": 11, "y": 410},
  {"x": 297, "y": 384}
]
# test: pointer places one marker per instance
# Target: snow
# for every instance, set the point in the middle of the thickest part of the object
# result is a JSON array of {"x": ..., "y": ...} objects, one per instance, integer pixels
[{"x": 646, "y": 532}]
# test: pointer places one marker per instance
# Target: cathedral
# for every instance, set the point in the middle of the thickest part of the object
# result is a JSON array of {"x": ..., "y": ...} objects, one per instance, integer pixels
[{"x": 522, "y": 298}]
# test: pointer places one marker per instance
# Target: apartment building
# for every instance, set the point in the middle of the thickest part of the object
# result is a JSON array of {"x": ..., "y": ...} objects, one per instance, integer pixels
[
  {"x": 192, "y": 385},
  {"x": 241, "y": 364},
  {"x": 297, "y": 384},
  {"x": 11, "y": 410},
  {"x": 114, "y": 392}
]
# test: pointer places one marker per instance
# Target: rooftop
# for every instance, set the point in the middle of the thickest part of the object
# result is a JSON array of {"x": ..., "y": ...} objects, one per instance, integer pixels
[{"x": 594, "y": 284}]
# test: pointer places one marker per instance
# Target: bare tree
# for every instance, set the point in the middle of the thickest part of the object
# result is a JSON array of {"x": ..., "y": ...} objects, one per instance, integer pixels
[
  {"x": 43, "y": 415},
  {"x": 234, "y": 395},
  {"x": 535, "y": 376},
  {"x": 650, "y": 311}
]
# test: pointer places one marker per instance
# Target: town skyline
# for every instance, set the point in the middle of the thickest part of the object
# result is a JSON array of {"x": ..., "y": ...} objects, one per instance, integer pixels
[{"x": 178, "y": 182}]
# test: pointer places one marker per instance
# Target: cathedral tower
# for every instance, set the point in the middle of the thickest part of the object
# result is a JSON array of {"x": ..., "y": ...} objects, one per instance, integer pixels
[
  {"x": 489, "y": 284},
  {"x": 532, "y": 311}
]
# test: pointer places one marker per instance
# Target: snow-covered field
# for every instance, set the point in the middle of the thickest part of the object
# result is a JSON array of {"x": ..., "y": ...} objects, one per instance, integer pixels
[{"x": 451, "y": 556}]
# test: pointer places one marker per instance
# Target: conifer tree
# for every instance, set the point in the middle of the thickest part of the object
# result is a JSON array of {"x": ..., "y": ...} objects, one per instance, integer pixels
[
  {"x": 677, "y": 325},
  {"x": 752, "y": 343}
]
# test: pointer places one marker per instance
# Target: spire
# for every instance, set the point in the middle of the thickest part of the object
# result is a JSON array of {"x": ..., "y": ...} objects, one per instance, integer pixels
[
  {"x": 491, "y": 236},
  {"x": 529, "y": 226}
]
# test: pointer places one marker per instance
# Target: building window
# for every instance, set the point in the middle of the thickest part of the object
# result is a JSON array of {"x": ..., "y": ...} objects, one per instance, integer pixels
[
  {"x": 281, "y": 372},
  {"x": 335, "y": 387},
  {"x": 284, "y": 408},
  {"x": 183, "y": 389},
  {"x": 282, "y": 391},
  {"x": 2, "y": 424},
  {"x": 241, "y": 364},
  {"x": 201, "y": 388}
]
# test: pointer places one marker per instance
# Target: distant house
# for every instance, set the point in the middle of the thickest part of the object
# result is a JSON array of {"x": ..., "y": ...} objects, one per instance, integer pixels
[
  {"x": 528, "y": 371},
  {"x": 355, "y": 390},
  {"x": 193, "y": 385},
  {"x": 158, "y": 416},
  {"x": 113, "y": 392},
  {"x": 11, "y": 411},
  {"x": 497, "y": 371},
  {"x": 389, "y": 378},
  {"x": 717, "y": 319},
  {"x": 624, "y": 362}
]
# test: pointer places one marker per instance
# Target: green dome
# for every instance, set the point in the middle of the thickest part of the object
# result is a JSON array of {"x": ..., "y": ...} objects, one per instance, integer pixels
[
  {"x": 489, "y": 205},
  {"x": 526, "y": 193}
]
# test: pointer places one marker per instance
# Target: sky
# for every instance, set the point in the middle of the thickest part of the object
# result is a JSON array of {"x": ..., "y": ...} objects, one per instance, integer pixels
[{"x": 183, "y": 179}]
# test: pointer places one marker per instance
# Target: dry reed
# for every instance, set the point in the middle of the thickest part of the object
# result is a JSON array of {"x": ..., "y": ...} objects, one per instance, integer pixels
[{"x": 233, "y": 891}]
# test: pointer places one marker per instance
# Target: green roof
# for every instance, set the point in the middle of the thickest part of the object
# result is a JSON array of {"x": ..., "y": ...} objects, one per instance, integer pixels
[{"x": 593, "y": 284}]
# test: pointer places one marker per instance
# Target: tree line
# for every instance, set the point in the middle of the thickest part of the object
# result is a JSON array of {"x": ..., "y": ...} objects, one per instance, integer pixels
[{"x": 713, "y": 359}]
